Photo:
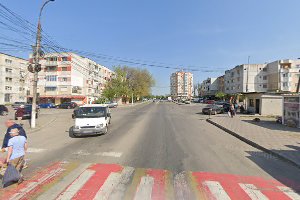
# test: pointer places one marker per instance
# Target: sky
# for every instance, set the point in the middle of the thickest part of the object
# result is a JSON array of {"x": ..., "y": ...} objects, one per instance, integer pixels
[{"x": 199, "y": 34}]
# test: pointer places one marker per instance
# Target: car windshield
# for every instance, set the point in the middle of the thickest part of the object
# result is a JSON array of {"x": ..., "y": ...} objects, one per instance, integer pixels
[{"x": 90, "y": 112}]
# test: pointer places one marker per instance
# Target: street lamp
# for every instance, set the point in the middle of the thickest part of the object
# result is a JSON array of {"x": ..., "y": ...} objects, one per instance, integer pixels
[{"x": 37, "y": 52}]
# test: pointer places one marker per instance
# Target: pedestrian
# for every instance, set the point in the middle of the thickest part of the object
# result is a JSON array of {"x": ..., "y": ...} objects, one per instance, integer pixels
[
  {"x": 17, "y": 146},
  {"x": 19, "y": 114},
  {"x": 10, "y": 124},
  {"x": 231, "y": 109}
]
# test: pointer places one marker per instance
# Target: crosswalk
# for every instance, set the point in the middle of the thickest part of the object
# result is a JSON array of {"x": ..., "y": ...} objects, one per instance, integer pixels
[{"x": 64, "y": 181}]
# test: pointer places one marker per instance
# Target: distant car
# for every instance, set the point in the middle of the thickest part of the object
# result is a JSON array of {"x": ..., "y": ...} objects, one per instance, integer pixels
[
  {"x": 214, "y": 109},
  {"x": 3, "y": 110},
  {"x": 220, "y": 103},
  {"x": 28, "y": 110},
  {"x": 16, "y": 105},
  {"x": 68, "y": 105},
  {"x": 47, "y": 105},
  {"x": 112, "y": 104}
]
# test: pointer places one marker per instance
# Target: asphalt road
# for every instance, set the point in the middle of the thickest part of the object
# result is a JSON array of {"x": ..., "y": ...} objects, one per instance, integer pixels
[{"x": 155, "y": 135}]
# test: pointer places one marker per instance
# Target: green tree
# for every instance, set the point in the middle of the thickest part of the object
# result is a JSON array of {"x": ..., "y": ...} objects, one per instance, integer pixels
[{"x": 220, "y": 95}]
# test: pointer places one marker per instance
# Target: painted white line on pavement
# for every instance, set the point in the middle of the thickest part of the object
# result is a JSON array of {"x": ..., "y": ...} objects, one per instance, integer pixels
[
  {"x": 32, "y": 185},
  {"x": 253, "y": 192},
  {"x": 216, "y": 190},
  {"x": 76, "y": 185},
  {"x": 144, "y": 190},
  {"x": 181, "y": 188},
  {"x": 81, "y": 153},
  {"x": 57, "y": 189},
  {"x": 35, "y": 150},
  {"x": 289, "y": 192},
  {"x": 115, "y": 185},
  {"x": 110, "y": 154}
]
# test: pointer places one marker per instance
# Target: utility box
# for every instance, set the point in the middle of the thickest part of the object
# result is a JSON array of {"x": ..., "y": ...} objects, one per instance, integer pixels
[{"x": 291, "y": 111}]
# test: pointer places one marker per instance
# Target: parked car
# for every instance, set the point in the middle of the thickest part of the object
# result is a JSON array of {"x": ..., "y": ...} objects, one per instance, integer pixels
[
  {"x": 28, "y": 110},
  {"x": 226, "y": 107},
  {"x": 47, "y": 105},
  {"x": 3, "y": 110},
  {"x": 16, "y": 105},
  {"x": 214, "y": 109},
  {"x": 221, "y": 103},
  {"x": 68, "y": 105},
  {"x": 187, "y": 102},
  {"x": 209, "y": 101}
]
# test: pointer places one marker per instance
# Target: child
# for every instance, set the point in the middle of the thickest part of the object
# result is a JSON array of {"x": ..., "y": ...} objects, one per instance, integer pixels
[{"x": 17, "y": 145}]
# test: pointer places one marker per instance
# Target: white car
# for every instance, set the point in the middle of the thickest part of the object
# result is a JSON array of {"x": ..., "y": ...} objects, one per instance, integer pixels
[{"x": 91, "y": 119}]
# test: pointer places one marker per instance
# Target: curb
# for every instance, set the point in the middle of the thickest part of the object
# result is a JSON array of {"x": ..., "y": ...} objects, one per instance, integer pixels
[{"x": 255, "y": 145}]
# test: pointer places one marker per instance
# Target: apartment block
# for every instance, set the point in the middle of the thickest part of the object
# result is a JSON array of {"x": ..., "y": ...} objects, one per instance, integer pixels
[
  {"x": 14, "y": 79},
  {"x": 69, "y": 77},
  {"x": 181, "y": 85},
  {"x": 246, "y": 79},
  {"x": 283, "y": 75},
  {"x": 209, "y": 87}
]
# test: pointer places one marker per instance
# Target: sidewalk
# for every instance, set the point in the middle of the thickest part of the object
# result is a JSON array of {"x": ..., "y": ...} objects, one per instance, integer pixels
[{"x": 266, "y": 135}]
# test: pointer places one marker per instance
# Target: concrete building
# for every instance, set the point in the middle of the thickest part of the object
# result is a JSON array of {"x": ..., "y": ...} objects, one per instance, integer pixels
[
  {"x": 209, "y": 87},
  {"x": 283, "y": 75},
  {"x": 14, "y": 79},
  {"x": 221, "y": 84},
  {"x": 181, "y": 85},
  {"x": 246, "y": 79},
  {"x": 69, "y": 77}
]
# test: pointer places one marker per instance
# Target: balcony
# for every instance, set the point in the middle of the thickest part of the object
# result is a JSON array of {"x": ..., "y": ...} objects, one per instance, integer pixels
[
  {"x": 51, "y": 63},
  {"x": 50, "y": 83}
]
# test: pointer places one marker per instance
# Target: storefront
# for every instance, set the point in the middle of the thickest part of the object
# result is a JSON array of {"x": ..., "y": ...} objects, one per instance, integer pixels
[
  {"x": 59, "y": 99},
  {"x": 291, "y": 111}
]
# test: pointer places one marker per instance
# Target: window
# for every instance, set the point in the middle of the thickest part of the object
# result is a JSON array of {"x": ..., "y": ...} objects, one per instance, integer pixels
[
  {"x": 265, "y": 69},
  {"x": 7, "y": 61},
  {"x": 51, "y": 78},
  {"x": 51, "y": 69},
  {"x": 285, "y": 84},
  {"x": 251, "y": 103},
  {"x": 50, "y": 89},
  {"x": 238, "y": 78},
  {"x": 64, "y": 79},
  {"x": 51, "y": 59},
  {"x": 265, "y": 85},
  {"x": 8, "y": 88},
  {"x": 64, "y": 69},
  {"x": 8, "y": 70},
  {"x": 64, "y": 58},
  {"x": 265, "y": 77},
  {"x": 7, "y": 97},
  {"x": 8, "y": 79}
]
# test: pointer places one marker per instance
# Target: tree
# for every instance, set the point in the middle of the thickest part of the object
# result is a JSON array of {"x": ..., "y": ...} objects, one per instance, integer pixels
[
  {"x": 220, "y": 95},
  {"x": 129, "y": 81}
]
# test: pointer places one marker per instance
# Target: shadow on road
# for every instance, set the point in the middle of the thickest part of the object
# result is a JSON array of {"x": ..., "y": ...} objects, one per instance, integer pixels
[
  {"x": 290, "y": 177},
  {"x": 272, "y": 125}
]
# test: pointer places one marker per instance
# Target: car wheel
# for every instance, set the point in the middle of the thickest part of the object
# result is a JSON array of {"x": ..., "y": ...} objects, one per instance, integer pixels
[{"x": 106, "y": 130}]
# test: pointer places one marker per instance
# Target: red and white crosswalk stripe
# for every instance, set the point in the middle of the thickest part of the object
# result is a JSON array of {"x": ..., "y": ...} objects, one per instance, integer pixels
[{"x": 113, "y": 182}]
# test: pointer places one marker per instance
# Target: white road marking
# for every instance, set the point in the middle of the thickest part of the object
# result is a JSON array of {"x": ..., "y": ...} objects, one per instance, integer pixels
[
  {"x": 81, "y": 153},
  {"x": 54, "y": 191},
  {"x": 144, "y": 190},
  {"x": 76, "y": 185},
  {"x": 32, "y": 185},
  {"x": 110, "y": 154},
  {"x": 289, "y": 192},
  {"x": 114, "y": 186},
  {"x": 216, "y": 190},
  {"x": 253, "y": 192},
  {"x": 35, "y": 150},
  {"x": 181, "y": 187}
]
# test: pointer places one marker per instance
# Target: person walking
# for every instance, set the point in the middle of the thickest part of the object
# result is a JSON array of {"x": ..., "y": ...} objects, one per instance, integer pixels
[
  {"x": 17, "y": 146},
  {"x": 20, "y": 113},
  {"x": 10, "y": 124},
  {"x": 232, "y": 111}
]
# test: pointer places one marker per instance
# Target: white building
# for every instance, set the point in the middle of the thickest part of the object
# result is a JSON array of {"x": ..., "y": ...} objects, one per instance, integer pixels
[
  {"x": 209, "y": 87},
  {"x": 181, "y": 85},
  {"x": 69, "y": 77},
  {"x": 246, "y": 79},
  {"x": 13, "y": 79}
]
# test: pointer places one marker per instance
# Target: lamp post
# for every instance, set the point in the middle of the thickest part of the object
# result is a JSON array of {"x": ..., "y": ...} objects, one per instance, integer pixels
[{"x": 37, "y": 66}]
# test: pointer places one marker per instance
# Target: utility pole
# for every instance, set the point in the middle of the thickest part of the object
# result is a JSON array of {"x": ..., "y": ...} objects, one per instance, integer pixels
[
  {"x": 37, "y": 67},
  {"x": 132, "y": 99},
  {"x": 248, "y": 67}
]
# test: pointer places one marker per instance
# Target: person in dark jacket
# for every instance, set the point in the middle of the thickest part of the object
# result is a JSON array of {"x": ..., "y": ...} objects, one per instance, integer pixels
[
  {"x": 10, "y": 124},
  {"x": 20, "y": 113}
]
